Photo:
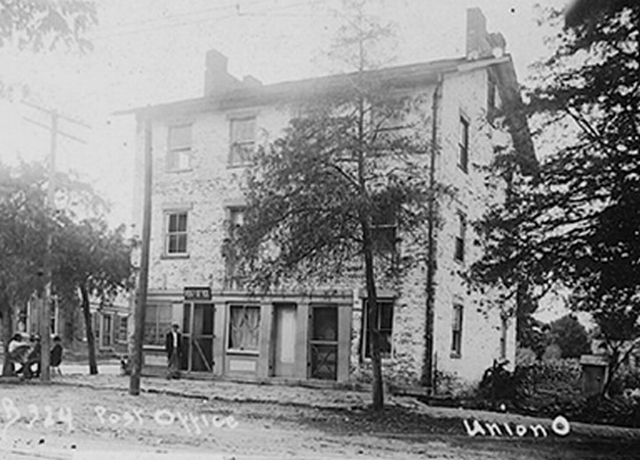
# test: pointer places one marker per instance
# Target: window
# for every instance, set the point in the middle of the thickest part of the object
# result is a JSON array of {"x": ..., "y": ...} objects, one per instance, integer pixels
[
  {"x": 456, "y": 333},
  {"x": 235, "y": 220},
  {"x": 243, "y": 140},
  {"x": 463, "y": 155},
  {"x": 503, "y": 336},
  {"x": 460, "y": 237},
  {"x": 157, "y": 322},
  {"x": 491, "y": 97},
  {"x": 385, "y": 327},
  {"x": 244, "y": 328},
  {"x": 384, "y": 226},
  {"x": 179, "y": 151},
  {"x": 107, "y": 323},
  {"x": 176, "y": 234},
  {"x": 123, "y": 329}
]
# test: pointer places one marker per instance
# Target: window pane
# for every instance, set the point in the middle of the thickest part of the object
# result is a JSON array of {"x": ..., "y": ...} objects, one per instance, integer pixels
[
  {"x": 385, "y": 327},
  {"x": 179, "y": 137},
  {"x": 243, "y": 133},
  {"x": 325, "y": 324},
  {"x": 244, "y": 328},
  {"x": 156, "y": 323},
  {"x": 182, "y": 222},
  {"x": 243, "y": 130},
  {"x": 241, "y": 153},
  {"x": 186, "y": 321},
  {"x": 386, "y": 316},
  {"x": 177, "y": 222}
]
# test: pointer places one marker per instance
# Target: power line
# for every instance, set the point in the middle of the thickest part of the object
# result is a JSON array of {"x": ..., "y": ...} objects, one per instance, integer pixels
[{"x": 237, "y": 13}]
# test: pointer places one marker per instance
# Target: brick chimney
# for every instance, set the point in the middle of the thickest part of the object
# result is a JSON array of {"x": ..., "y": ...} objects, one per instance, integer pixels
[
  {"x": 216, "y": 78},
  {"x": 480, "y": 43}
]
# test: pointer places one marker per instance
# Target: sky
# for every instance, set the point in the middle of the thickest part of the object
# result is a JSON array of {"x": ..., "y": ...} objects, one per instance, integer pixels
[{"x": 152, "y": 51}]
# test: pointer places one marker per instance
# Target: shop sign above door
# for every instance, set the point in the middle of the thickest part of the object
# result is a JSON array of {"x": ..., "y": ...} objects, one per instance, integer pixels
[{"x": 197, "y": 293}]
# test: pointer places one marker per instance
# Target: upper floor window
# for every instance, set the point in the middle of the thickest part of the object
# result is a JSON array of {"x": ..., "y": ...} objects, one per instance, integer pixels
[
  {"x": 176, "y": 233},
  {"x": 456, "y": 332},
  {"x": 463, "y": 145},
  {"x": 492, "y": 104},
  {"x": 460, "y": 237},
  {"x": 384, "y": 226},
  {"x": 179, "y": 148},
  {"x": 236, "y": 221},
  {"x": 243, "y": 141},
  {"x": 384, "y": 325}
]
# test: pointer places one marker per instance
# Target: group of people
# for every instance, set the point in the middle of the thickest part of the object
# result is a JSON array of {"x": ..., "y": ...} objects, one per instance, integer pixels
[{"x": 25, "y": 355}]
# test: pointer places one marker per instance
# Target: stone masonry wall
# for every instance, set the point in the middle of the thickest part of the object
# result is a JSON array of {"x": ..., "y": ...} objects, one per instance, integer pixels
[
  {"x": 210, "y": 186},
  {"x": 465, "y": 95}
]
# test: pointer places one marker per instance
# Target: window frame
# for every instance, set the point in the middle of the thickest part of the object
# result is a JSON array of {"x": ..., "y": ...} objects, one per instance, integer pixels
[
  {"x": 244, "y": 307},
  {"x": 168, "y": 234},
  {"x": 179, "y": 151},
  {"x": 233, "y": 143},
  {"x": 464, "y": 127},
  {"x": 159, "y": 328},
  {"x": 365, "y": 348},
  {"x": 123, "y": 329},
  {"x": 460, "y": 239},
  {"x": 457, "y": 327}
]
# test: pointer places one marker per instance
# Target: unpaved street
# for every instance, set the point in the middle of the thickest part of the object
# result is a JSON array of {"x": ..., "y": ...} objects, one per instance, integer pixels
[{"x": 69, "y": 421}]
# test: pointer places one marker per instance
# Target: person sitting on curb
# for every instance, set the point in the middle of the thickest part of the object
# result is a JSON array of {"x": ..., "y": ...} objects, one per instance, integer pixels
[
  {"x": 32, "y": 366},
  {"x": 18, "y": 351}
]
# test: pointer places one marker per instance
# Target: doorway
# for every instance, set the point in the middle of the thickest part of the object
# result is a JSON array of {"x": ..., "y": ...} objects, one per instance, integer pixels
[
  {"x": 198, "y": 336},
  {"x": 323, "y": 342},
  {"x": 284, "y": 339}
]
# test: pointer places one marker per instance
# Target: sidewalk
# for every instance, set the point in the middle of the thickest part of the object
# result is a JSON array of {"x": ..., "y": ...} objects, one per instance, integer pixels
[{"x": 110, "y": 378}]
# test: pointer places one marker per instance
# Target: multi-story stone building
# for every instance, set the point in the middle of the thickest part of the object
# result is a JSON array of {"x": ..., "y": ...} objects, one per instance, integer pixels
[{"x": 432, "y": 323}]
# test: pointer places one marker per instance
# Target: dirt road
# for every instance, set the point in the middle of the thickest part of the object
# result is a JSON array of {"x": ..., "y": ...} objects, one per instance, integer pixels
[{"x": 71, "y": 422}]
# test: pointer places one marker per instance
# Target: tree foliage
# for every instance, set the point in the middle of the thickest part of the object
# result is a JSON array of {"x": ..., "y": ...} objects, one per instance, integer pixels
[
  {"x": 86, "y": 255},
  {"x": 570, "y": 336},
  {"x": 576, "y": 223},
  {"x": 329, "y": 199},
  {"x": 44, "y": 24}
]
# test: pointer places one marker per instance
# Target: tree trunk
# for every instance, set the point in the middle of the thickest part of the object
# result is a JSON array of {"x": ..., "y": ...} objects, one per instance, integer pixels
[
  {"x": 68, "y": 332},
  {"x": 372, "y": 322},
  {"x": 7, "y": 331},
  {"x": 91, "y": 340}
]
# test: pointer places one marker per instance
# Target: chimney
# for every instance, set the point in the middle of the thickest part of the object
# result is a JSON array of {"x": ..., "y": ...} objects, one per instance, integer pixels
[
  {"x": 217, "y": 79},
  {"x": 480, "y": 43}
]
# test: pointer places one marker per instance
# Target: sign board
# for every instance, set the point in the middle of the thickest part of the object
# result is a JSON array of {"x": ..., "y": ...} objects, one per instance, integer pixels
[{"x": 197, "y": 293}]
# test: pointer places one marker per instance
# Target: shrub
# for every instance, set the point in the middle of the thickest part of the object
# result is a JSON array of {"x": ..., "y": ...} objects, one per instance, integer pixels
[{"x": 497, "y": 384}]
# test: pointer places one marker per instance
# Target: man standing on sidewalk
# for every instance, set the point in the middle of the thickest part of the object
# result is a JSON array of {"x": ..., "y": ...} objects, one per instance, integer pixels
[{"x": 173, "y": 347}]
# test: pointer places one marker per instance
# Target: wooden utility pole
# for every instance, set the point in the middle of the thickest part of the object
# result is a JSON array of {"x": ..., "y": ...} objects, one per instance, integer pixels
[
  {"x": 143, "y": 282},
  {"x": 47, "y": 272}
]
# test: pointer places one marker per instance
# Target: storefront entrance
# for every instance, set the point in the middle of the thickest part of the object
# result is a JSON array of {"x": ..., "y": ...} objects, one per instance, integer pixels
[
  {"x": 284, "y": 337},
  {"x": 323, "y": 342},
  {"x": 198, "y": 336}
]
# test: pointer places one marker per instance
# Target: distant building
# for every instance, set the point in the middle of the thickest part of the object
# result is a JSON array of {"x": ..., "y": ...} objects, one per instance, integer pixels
[
  {"x": 200, "y": 149},
  {"x": 109, "y": 319}
]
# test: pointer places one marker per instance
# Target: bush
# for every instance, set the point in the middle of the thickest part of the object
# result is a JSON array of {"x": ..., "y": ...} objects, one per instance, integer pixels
[
  {"x": 552, "y": 388},
  {"x": 625, "y": 379},
  {"x": 549, "y": 387},
  {"x": 497, "y": 385}
]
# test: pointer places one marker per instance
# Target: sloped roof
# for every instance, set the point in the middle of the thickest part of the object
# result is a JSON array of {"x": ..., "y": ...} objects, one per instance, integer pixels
[{"x": 250, "y": 95}]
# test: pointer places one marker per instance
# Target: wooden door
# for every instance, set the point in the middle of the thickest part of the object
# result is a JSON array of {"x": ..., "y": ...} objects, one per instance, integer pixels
[
  {"x": 323, "y": 342},
  {"x": 284, "y": 339}
]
